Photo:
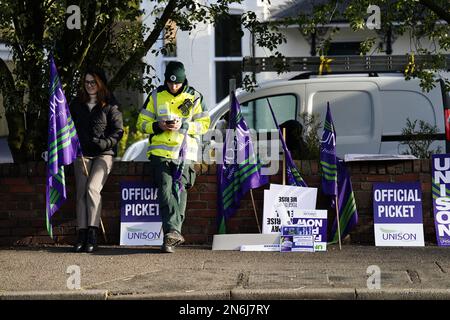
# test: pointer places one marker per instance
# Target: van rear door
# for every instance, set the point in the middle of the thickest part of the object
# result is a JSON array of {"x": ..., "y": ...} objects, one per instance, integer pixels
[
  {"x": 402, "y": 100},
  {"x": 355, "y": 107}
]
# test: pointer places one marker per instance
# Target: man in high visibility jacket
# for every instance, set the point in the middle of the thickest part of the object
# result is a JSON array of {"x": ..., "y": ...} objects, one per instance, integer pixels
[{"x": 174, "y": 116}]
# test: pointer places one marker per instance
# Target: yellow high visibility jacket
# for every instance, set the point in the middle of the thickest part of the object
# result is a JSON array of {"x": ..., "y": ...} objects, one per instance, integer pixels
[{"x": 163, "y": 105}]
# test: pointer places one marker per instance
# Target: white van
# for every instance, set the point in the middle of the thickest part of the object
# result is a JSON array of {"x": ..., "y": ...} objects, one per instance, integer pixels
[{"x": 369, "y": 112}]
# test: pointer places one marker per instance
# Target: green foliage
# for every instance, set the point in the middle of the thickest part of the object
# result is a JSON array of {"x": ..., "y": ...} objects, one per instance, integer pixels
[
  {"x": 419, "y": 139},
  {"x": 33, "y": 29},
  {"x": 130, "y": 135},
  {"x": 421, "y": 21},
  {"x": 111, "y": 36},
  {"x": 311, "y": 127}
]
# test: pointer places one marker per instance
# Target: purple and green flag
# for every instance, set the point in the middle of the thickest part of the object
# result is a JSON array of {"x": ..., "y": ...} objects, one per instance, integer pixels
[
  {"x": 328, "y": 160},
  {"x": 348, "y": 216},
  {"x": 293, "y": 174},
  {"x": 241, "y": 169},
  {"x": 63, "y": 146},
  {"x": 336, "y": 181}
]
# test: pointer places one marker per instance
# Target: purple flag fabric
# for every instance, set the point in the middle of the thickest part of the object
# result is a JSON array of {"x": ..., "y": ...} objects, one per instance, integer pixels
[
  {"x": 293, "y": 174},
  {"x": 178, "y": 172},
  {"x": 336, "y": 181},
  {"x": 348, "y": 215},
  {"x": 328, "y": 160},
  {"x": 63, "y": 146},
  {"x": 240, "y": 170}
]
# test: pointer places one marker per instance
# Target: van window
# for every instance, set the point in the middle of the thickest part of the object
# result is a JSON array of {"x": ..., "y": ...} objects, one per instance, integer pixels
[
  {"x": 257, "y": 113},
  {"x": 400, "y": 105},
  {"x": 352, "y": 111}
]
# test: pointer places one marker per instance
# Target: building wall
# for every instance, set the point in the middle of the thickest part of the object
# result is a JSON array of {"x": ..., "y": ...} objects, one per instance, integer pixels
[
  {"x": 196, "y": 50},
  {"x": 22, "y": 194}
]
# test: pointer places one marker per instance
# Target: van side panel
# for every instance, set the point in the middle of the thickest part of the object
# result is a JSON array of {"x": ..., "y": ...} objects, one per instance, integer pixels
[
  {"x": 408, "y": 101},
  {"x": 355, "y": 110}
]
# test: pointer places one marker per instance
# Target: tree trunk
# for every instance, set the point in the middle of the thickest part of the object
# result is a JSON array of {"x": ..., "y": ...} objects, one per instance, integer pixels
[
  {"x": 136, "y": 56},
  {"x": 35, "y": 141}
]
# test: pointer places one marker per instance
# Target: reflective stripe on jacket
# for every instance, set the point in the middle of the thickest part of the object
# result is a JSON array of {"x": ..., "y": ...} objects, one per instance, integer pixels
[{"x": 162, "y": 105}]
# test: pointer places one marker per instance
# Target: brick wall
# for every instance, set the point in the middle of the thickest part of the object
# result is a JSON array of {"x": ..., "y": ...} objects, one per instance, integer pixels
[{"x": 22, "y": 201}]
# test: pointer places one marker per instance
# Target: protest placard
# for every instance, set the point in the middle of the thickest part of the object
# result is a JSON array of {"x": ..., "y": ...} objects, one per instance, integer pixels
[
  {"x": 281, "y": 200},
  {"x": 441, "y": 197},
  {"x": 140, "y": 220},
  {"x": 397, "y": 210}
]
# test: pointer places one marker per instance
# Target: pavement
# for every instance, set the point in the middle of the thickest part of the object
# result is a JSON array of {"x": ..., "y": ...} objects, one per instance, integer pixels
[{"x": 198, "y": 273}]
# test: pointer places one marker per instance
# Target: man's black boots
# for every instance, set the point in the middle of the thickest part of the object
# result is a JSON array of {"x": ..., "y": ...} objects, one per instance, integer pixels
[
  {"x": 91, "y": 240},
  {"x": 81, "y": 241}
]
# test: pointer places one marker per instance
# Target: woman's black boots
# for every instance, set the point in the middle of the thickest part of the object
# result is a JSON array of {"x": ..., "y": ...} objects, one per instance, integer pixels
[
  {"x": 91, "y": 245},
  {"x": 81, "y": 241}
]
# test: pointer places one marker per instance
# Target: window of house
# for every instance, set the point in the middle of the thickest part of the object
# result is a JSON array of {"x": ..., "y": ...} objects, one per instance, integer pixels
[
  {"x": 228, "y": 54},
  {"x": 344, "y": 48}
]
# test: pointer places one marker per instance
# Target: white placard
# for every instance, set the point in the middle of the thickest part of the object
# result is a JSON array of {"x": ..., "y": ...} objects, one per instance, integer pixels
[
  {"x": 399, "y": 235},
  {"x": 317, "y": 219},
  {"x": 141, "y": 233},
  {"x": 279, "y": 200},
  {"x": 351, "y": 157},
  {"x": 260, "y": 247}
]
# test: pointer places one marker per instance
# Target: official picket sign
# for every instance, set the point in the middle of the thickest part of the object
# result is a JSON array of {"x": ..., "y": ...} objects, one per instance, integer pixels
[
  {"x": 280, "y": 201},
  {"x": 317, "y": 219},
  {"x": 441, "y": 197},
  {"x": 140, "y": 220},
  {"x": 397, "y": 209}
]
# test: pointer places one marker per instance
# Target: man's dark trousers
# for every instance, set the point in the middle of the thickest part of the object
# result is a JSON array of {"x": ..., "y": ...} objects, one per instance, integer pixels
[{"x": 171, "y": 208}]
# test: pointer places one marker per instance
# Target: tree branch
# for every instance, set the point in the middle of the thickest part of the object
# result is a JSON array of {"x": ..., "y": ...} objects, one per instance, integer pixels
[
  {"x": 148, "y": 43},
  {"x": 85, "y": 42},
  {"x": 49, "y": 4},
  {"x": 438, "y": 10},
  {"x": 7, "y": 78}
]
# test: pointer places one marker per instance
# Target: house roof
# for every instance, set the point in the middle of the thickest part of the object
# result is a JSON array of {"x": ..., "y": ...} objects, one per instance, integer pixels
[{"x": 294, "y": 8}]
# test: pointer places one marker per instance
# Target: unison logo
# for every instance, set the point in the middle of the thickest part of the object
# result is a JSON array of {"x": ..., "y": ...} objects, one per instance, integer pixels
[
  {"x": 141, "y": 234},
  {"x": 397, "y": 235}
]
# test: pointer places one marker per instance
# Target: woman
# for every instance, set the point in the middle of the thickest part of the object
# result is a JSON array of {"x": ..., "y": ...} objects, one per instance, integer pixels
[{"x": 100, "y": 127}]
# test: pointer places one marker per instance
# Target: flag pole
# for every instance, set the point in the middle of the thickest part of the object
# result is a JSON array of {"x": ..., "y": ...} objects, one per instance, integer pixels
[
  {"x": 338, "y": 222},
  {"x": 284, "y": 159},
  {"x": 254, "y": 210},
  {"x": 86, "y": 173},
  {"x": 232, "y": 87},
  {"x": 328, "y": 159},
  {"x": 337, "y": 205}
]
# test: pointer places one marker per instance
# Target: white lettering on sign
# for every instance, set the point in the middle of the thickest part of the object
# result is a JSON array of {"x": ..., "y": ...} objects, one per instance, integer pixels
[
  {"x": 396, "y": 211},
  {"x": 400, "y": 195},
  {"x": 139, "y": 194},
  {"x": 142, "y": 209},
  {"x": 441, "y": 177}
]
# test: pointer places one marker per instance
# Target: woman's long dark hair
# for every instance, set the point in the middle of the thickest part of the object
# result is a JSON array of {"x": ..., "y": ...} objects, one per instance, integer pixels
[{"x": 103, "y": 94}]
